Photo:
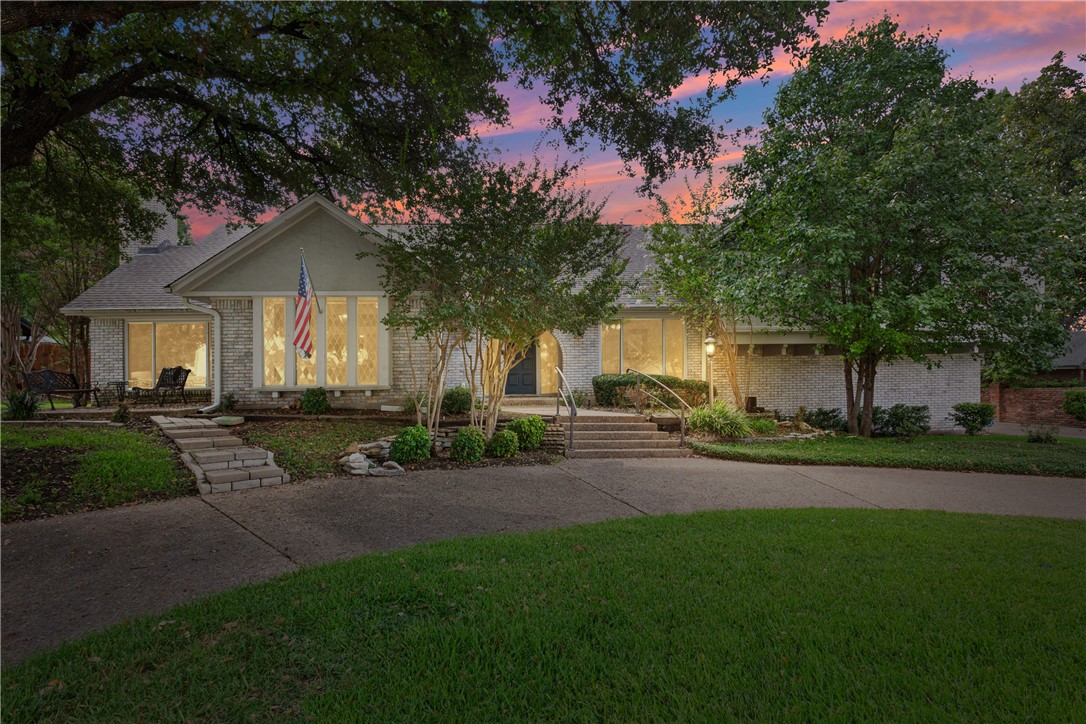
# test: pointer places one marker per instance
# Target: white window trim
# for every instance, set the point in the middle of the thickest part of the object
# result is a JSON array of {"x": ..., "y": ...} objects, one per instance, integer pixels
[
  {"x": 180, "y": 319},
  {"x": 384, "y": 348},
  {"x": 663, "y": 343}
]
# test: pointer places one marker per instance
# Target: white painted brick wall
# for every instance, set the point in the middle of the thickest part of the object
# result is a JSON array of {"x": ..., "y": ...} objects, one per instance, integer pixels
[{"x": 107, "y": 350}]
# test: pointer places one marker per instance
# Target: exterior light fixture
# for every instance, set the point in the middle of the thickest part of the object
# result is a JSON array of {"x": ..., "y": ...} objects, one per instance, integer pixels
[{"x": 710, "y": 350}]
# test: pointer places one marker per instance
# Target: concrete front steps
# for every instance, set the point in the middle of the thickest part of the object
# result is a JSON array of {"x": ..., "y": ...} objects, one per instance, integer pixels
[
  {"x": 220, "y": 461},
  {"x": 620, "y": 436}
]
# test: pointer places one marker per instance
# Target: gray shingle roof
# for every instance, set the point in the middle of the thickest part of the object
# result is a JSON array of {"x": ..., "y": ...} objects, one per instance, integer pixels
[
  {"x": 1076, "y": 353},
  {"x": 140, "y": 284}
]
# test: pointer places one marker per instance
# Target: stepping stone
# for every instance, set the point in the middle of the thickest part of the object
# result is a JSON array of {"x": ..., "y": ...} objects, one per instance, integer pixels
[{"x": 228, "y": 420}]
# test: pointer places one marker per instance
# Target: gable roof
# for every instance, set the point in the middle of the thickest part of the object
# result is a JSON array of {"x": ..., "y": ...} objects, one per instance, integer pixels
[
  {"x": 140, "y": 284},
  {"x": 1076, "y": 353},
  {"x": 208, "y": 267}
]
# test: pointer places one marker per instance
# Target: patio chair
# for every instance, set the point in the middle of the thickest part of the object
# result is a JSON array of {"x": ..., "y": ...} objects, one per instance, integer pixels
[{"x": 170, "y": 379}]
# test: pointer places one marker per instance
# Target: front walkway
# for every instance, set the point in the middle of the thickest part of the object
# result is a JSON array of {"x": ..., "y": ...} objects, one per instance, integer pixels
[{"x": 66, "y": 576}]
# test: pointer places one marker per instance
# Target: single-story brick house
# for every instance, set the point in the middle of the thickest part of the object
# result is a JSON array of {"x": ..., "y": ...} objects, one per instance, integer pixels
[{"x": 224, "y": 308}]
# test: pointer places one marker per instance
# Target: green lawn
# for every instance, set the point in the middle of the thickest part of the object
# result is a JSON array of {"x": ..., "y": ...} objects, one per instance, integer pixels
[
  {"x": 43, "y": 404},
  {"x": 749, "y": 615},
  {"x": 51, "y": 470},
  {"x": 982, "y": 453},
  {"x": 310, "y": 448}
]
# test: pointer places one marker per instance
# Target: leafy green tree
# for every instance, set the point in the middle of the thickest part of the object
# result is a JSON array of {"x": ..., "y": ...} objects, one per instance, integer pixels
[
  {"x": 243, "y": 105},
  {"x": 880, "y": 211},
  {"x": 698, "y": 273},
  {"x": 493, "y": 258}
]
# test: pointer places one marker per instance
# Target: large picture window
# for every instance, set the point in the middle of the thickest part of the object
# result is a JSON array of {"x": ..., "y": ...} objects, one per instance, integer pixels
[
  {"x": 345, "y": 349},
  {"x": 154, "y": 345},
  {"x": 653, "y": 346}
]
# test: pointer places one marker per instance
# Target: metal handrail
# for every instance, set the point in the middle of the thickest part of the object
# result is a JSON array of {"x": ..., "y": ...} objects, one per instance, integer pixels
[
  {"x": 570, "y": 403},
  {"x": 681, "y": 414}
]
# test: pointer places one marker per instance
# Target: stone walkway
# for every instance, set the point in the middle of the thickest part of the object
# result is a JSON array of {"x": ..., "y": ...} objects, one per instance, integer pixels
[{"x": 221, "y": 462}]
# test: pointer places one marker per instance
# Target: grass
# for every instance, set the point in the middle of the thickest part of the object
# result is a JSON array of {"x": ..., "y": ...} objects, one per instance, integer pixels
[
  {"x": 749, "y": 615},
  {"x": 43, "y": 404},
  {"x": 52, "y": 470},
  {"x": 310, "y": 448},
  {"x": 983, "y": 453}
]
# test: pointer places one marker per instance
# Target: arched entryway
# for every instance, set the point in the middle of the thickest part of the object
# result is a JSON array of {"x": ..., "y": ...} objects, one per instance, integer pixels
[{"x": 535, "y": 374}]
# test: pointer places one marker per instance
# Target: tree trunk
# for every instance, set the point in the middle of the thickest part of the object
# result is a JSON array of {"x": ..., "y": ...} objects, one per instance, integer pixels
[
  {"x": 851, "y": 393},
  {"x": 868, "y": 363}
]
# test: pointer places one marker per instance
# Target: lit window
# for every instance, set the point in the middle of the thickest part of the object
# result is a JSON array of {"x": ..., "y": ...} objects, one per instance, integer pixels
[
  {"x": 155, "y": 345},
  {"x": 275, "y": 341},
  {"x": 367, "y": 340},
  {"x": 305, "y": 370},
  {"x": 652, "y": 346},
  {"x": 335, "y": 335},
  {"x": 550, "y": 356}
]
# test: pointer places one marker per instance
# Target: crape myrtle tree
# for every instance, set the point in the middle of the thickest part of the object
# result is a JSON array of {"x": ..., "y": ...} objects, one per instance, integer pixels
[
  {"x": 492, "y": 258},
  {"x": 698, "y": 273},
  {"x": 882, "y": 210}
]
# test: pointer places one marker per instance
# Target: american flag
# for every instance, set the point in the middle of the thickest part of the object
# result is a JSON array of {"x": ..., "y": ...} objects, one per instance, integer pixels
[{"x": 303, "y": 334}]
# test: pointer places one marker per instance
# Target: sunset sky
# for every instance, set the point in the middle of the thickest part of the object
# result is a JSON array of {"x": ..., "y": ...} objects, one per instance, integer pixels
[{"x": 999, "y": 43}]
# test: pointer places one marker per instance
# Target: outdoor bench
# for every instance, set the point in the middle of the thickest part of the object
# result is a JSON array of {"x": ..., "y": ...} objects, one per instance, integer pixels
[{"x": 50, "y": 382}]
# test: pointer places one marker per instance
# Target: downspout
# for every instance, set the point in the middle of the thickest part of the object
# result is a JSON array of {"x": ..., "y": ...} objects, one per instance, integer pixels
[{"x": 216, "y": 384}]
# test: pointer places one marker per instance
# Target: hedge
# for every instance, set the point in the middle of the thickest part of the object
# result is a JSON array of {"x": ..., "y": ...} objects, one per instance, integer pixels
[{"x": 609, "y": 389}]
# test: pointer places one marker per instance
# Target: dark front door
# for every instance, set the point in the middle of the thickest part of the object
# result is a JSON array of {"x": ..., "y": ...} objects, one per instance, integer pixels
[{"x": 522, "y": 377}]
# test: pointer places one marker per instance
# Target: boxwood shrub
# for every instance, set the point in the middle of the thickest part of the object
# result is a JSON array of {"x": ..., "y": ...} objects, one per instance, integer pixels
[
  {"x": 315, "y": 401},
  {"x": 973, "y": 416},
  {"x": 412, "y": 445},
  {"x": 504, "y": 444},
  {"x": 529, "y": 431},
  {"x": 469, "y": 445},
  {"x": 609, "y": 389},
  {"x": 457, "y": 401},
  {"x": 1074, "y": 404}
]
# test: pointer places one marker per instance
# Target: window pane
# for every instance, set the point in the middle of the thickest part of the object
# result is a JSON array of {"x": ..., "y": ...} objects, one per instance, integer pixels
[
  {"x": 141, "y": 365},
  {"x": 305, "y": 370},
  {"x": 674, "y": 344},
  {"x": 549, "y": 356},
  {"x": 183, "y": 345},
  {"x": 275, "y": 341},
  {"x": 367, "y": 341},
  {"x": 335, "y": 332},
  {"x": 642, "y": 345},
  {"x": 612, "y": 362}
]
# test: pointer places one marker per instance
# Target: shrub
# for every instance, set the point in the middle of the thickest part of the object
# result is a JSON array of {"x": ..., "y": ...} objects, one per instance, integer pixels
[
  {"x": 22, "y": 405},
  {"x": 826, "y": 418},
  {"x": 723, "y": 419},
  {"x": 229, "y": 402},
  {"x": 529, "y": 431},
  {"x": 122, "y": 414},
  {"x": 581, "y": 399},
  {"x": 315, "y": 401},
  {"x": 412, "y": 445},
  {"x": 973, "y": 416},
  {"x": 1043, "y": 434},
  {"x": 503, "y": 445},
  {"x": 607, "y": 389},
  {"x": 762, "y": 426},
  {"x": 457, "y": 401},
  {"x": 468, "y": 445},
  {"x": 1074, "y": 404},
  {"x": 906, "y": 421}
]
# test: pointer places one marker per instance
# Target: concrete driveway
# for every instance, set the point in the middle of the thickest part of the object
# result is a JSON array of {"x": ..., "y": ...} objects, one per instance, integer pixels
[{"x": 63, "y": 577}]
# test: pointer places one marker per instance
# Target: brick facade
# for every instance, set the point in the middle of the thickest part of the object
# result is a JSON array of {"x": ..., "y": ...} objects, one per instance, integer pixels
[
  {"x": 107, "y": 350},
  {"x": 1030, "y": 405}
]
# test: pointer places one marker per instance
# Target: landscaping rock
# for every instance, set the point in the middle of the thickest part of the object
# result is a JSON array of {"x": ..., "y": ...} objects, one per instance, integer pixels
[
  {"x": 363, "y": 471},
  {"x": 352, "y": 448},
  {"x": 357, "y": 459},
  {"x": 228, "y": 420},
  {"x": 392, "y": 465}
]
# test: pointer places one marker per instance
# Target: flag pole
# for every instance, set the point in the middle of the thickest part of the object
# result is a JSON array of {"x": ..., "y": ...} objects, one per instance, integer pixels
[{"x": 316, "y": 297}]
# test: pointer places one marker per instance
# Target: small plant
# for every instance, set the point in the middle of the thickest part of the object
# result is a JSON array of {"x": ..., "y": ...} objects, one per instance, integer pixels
[
  {"x": 801, "y": 414},
  {"x": 529, "y": 431},
  {"x": 825, "y": 418},
  {"x": 469, "y": 445},
  {"x": 973, "y": 416},
  {"x": 762, "y": 426},
  {"x": 723, "y": 419},
  {"x": 122, "y": 414},
  {"x": 315, "y": 401},
  {"x": 905, "y": 422},
  {"x": 581, "y": 399},
  {"x": 229, "y": 402},
  {"x": 412, "y": 445},
  {"x": 1041, "y": 434},
  {"x": 457, "y": 401},
  {"x": 22, "y": 405},
  {"x": 504, "y": 444},
  {"x": 411, "y": 403},
  {"x": 1074, "y": 404}
]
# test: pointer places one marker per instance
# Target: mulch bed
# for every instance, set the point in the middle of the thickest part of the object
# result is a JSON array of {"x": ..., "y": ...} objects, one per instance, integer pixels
[
  {"x": 535, "y": 457},
  {"x": 50, "y": 469}
]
